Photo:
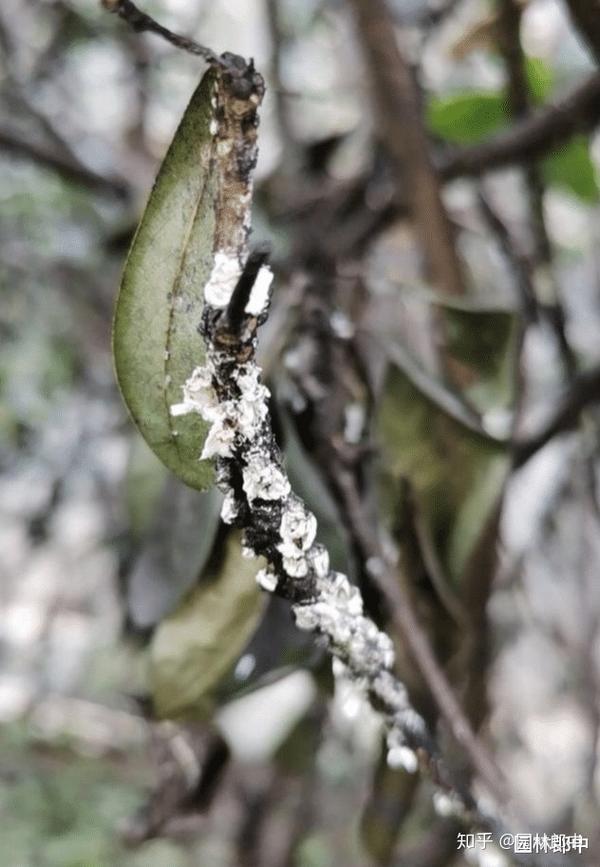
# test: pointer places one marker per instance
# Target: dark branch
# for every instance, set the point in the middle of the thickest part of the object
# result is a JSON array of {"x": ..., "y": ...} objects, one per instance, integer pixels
[
  {"x": 582, "y": 393},
  {"x": 586, "y": 18},
  {"x": 241, "y": 294},
  {"x": 63, "y": 165},
  {"x": 510, "y": 14},
  {"x": 532, "y": 138},
  {"x": 181, "y": 789},
  {"x": 519, "y": 266},
  {"x": 403, "y": 134},
  {"x": 141, "y": 22}
]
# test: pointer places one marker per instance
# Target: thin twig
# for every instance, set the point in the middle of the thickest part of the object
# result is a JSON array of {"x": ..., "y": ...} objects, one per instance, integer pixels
[
  {"x": 583, "y": 391},
  {"x": 509, "y": 29},
  {"x": 141, "y": 22},
  {"x": 409, "y": 627},
  {"x": 520, "y": 267},
  {"x": 509, "y": 39},
  {"x": 67, "y": 168}
]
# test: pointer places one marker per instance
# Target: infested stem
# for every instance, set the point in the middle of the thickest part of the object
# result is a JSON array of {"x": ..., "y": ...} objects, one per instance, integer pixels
[{"x": 278, "y": 526}]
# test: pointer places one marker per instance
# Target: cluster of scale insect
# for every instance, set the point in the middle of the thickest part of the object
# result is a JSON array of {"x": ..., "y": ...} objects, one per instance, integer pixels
[{"x": 239, "y": 431}]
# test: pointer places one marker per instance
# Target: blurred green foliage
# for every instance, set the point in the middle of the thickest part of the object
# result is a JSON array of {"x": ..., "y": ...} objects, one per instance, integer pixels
[
  {"x": 471, "y": 116},
  {"x": 194, "y": 647},
  {"x": 56, "y": 812}
]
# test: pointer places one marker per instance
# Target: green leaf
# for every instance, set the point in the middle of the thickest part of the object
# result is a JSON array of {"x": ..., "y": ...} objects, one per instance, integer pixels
[
  {"x": 456, "y": 473},
  {"x": 540, "y": 79},
  {"x": 199, "y": 207},
  {"x": 467, "y": 117},
  {"x": 481, "y": 345},
  {"x": 195, "y": 647},
  {"x": 155, "y": 339},
  {"x": 425, "y": 438},
  {"x": 470, "y": 116},
  {"x": 571, "y": 168}
]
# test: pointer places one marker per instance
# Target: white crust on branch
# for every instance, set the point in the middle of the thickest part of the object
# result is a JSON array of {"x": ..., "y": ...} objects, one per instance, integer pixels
[{"x": 258, "y": 497}]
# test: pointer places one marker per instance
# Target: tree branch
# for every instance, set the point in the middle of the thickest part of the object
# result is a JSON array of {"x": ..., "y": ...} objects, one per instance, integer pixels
[
  {"x": 401, "y": 126},
  {"x": 69, "y": 169},
  {"x": 509, "y": 40},
  {"x": 519, "y": 266},
  {"x": 141, "y": 22},
  {"x": 583, "y": 391},
  {"x": 534, "y": 137},
  {"x": 278, "y": 526},
  {"x": 227, "y": 392},
  {"x": 404, "y": 618}
]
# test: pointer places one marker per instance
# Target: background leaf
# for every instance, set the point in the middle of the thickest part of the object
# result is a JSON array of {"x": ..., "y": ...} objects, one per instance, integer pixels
[
  {"x": 155, "y": 340},
  {"x": 465, "y": 118},
  {"x": 144, "y": 481},
  {"x": 540, "y": 79},
  {"x": 481, "y": 346},
  {"x": 571, "y": 169},
  {"x": 471, "y": 116},
  {"x": 177, "y": 545},
  {"x": 425, "y": 441},
  {"x": 389, "y": 802},
  {"x": 424, "y": 444},
  {"x": 194, "y": 648}
]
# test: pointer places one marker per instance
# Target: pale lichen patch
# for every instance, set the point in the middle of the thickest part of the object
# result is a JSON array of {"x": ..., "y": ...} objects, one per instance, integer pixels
[
  {"x": 223, "y": 279},
  {"x": 261, "y": 291}
]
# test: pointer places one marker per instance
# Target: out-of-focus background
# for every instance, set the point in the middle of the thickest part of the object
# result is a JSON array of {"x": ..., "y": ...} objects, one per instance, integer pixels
[{"x": 107, "y": 565}]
